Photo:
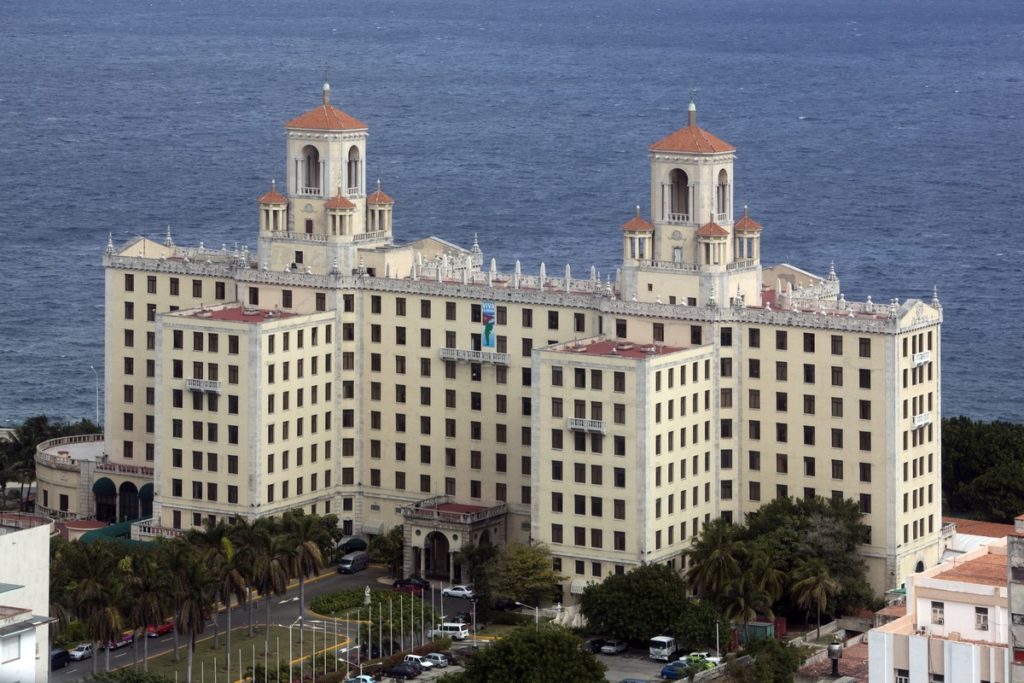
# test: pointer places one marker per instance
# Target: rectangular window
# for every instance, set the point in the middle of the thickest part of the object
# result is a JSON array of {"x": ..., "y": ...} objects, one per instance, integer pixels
[{"x": 938, "y": 612}]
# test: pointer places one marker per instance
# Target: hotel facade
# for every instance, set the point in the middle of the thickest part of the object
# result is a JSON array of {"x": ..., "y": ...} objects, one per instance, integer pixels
[{"x": 338, "y": 371}]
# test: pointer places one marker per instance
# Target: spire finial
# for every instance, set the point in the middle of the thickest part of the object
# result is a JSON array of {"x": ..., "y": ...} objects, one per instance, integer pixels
[
  {"x": 935, "y": 297},
  {"x": 692, "y": 109},
  {"x": 168, "y": 242},
  {"x": 638, "y": 211},
  {"x": 273, "y": 184},
  {"x": 746, "y": 211},
  {"x": 110, "y": 243},
  {"x": 327, "y": 91},
  {"x": 378, "y": 184}
]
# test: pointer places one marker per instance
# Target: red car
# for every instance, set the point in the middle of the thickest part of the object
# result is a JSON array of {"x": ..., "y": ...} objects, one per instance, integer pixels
[
  {"x": 411, "y": 589},
  {"x": 160, "y": 629}
]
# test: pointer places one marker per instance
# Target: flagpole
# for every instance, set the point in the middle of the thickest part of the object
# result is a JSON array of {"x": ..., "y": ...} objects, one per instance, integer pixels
[
  {"x": 401, "y": 622},
  {"x": 391, "y": 625}
]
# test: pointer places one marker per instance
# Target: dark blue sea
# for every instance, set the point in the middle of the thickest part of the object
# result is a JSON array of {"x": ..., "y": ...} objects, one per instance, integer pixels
[{"x": 885, "y": 136}]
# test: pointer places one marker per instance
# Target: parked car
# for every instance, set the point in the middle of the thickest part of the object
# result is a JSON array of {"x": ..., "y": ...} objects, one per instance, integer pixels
[
  {"x": 593, "y": 645},
  {"x": 82, "y": 651},
  {"x": 673, "y": 671},
  {"x": 59, "y": 659},
  {"x": 411, "y": 589},
  {"x": 439, "y": 660},
  {"x": 350, "y": 544},
  {"x": 123, "y": 640},
  {"x": 505, "y": 604},
  {"x": 614, "y": 647},
  {"x": 160, "y": 629},
  {"x": 423, "y": 584},
  {"x": 364, "y": 678},
  {"x": 460, "y": 591},
  {"x": 402, "y": 670},
  {"x": 700, "y": 657},
  {"x": 420, "y": 661}
]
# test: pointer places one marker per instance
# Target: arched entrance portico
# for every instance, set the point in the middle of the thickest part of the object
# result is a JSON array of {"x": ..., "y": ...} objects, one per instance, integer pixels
[
  {"x": 146, "y": 501},
  {"x": 128, "y": 502},
  {"x": 437, "y": 556},
  {"x": 106, "y": 499}
]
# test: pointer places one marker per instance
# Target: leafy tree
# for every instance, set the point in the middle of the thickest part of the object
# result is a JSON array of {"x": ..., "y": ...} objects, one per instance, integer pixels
[
  {"x": 774, "y": 662},
  {"x": 813, "y": 586},
  {"x": 388, "y": 548},
  {"x": 694, "y": 627},
  {"x": 649, "y": 600},
  {"x": 477, "y": 562},
  {"x": 523, "y": 572},
  {"x": 533, "y": 654}
]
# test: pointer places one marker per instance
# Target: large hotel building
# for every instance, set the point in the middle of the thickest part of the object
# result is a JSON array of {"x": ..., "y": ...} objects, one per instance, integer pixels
[{"x": 338, "y": 371}]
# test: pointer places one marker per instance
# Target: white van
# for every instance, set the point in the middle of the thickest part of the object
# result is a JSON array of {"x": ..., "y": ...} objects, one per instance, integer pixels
[
  {"x": 354, "y": 562},
  {"x": 450, "y": 629}
]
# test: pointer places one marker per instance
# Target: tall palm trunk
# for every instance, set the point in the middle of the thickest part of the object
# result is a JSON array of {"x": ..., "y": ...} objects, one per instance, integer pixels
[
  {"x": 227, "y": 639},
  {"x": 145, "y": 651},
  {"x": 106, "y": 658},
  {"x": 818, "y": 637},
  {"x": 302, "y": 595},
  {"x": 95, "y": 657},
  {"x": 191, "y": 647},
  {"x": 266, "y": 640},
  {"x": 252, "y": 608}
]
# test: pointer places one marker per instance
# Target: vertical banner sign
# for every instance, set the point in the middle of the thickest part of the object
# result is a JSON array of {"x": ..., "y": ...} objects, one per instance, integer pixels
[{"x": 487, "y": 318}]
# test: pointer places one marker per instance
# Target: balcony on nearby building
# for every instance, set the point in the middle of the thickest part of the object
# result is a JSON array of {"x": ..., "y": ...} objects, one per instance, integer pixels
[
  {"x": 922, "y": 420},
  {"x": 310, "y": 191},
  {"x": 370, "y": 236},
  {"x": 922, "y": 358},
  {"x": 443, "y": 509},
  {"x": 579, "y": 424},
  {"x": 721, "y": 216},
  {"x": 674, "y": 217},
  {"x": 474, "y": 356},
  {"x": 203, "y": 385},
  {"x": 148, "y": 530}
]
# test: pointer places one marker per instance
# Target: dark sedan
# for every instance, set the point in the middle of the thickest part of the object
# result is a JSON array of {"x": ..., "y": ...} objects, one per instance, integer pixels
[{"x": 402, "y": 670}]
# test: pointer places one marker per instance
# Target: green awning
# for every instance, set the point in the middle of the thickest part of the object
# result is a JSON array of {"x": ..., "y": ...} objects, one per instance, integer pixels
[
  {"x": 104, "y": 487},
  {"x": 146, "y": 492}
]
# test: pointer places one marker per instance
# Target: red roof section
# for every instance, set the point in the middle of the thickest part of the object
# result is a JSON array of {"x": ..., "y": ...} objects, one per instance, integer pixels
[
  {"x": 974, "y": 527},
  {"x": 693, "y": 140},
  {"x": 326, "y": 117},
  {"x": 712, "y": 229},
  {"x": 273, "y": 197},
  {"x": 637, "y": 224},
  {"x": 339, "y": 202},
  {"x": 379, "y": 197},
  {"x": 984, "y": 570},
  {"x": 240, "y": 314},
  {"x": 747, "y": 224}
]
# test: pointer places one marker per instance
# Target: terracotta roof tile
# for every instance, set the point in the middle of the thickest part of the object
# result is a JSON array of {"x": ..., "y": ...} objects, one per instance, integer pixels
[
  {"x": 379, "y": 197},
  {"x": 985, "y": 570},
  {"x": 712, "y": 229},
  {"x": 693, "y": 140},
  {"x": 973, "y": 527},
  {"x": 747, "y": 224},
  {"x": 339, "y": 202},
  {"x": 637, "y": 224},
  {"x": 326, "y": 117},
  {"x": 273, "y": 197}
]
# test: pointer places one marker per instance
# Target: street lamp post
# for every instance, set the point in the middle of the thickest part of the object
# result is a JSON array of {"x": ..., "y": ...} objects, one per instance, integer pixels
[
  {"x": 536, "y": 612},
  {"x": 96, "y": 375}
]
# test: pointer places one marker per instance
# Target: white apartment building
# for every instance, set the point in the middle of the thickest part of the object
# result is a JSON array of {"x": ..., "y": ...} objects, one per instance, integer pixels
[
  {"x": 24, "y": 597},
  {"x": 337, "y": 370},
  {"x": 956, "y": 626}
]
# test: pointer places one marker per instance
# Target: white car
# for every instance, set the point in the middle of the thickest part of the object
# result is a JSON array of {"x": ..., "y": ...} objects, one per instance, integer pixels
[
  {"x": 424, "y": 663},
  {"x": 363, "y": 678},
  {"x": 83, "y": 651},
  {"x": 614, "y": 647},
  {"x": 437, "y": 659},
  {"x": 461, "y": 591}
]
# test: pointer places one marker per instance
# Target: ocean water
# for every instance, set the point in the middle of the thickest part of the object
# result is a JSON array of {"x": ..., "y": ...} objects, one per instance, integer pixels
[{"x": 886, "y": 137}]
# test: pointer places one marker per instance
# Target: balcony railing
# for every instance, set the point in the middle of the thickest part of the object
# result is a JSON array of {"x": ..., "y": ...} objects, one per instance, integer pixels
[
  {"x": 370, "y": 236},
  {"x": 678, "y": 217},
  {"x": 146, "y": 529},
  {"x": 922, "y": 358},
  {"x": 309, "y": 191},
  {"x": 579, "y": 424},
  {"x": 721, "y": 216},
  {"x": 427, "y": 510},
  {"x": 475, "y": 356},
  {"x": 354, "y": 191},
  {"x": 922, "y": 420},
  {"x": 123, "y": 468},
  {"x": 203, "y": 385}
]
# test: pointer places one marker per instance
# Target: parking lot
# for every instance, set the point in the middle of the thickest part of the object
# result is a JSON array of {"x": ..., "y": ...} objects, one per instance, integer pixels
[{"x": 631, "y": 664}]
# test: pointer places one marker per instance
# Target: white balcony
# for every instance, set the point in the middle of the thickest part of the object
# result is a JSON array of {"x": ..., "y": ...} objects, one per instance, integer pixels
[
  {"x": 202, "y": 385},
  {"x": 922, "y": 358},
  {"x": 678, "y": 217},
  {"x": 475, "y": 356},
  {"x": 922, "y": 420},
  {"x": 310, "y": 191},
  {"x": 579, "y": 424},
  {"x": 721, "y": 217}
]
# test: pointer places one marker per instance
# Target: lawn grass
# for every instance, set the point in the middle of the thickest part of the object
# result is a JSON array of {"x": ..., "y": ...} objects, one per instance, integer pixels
[{"x": 209, "y": 664}]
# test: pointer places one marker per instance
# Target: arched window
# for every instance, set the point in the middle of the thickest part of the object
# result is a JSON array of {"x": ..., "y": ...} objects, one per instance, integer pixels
[
  {"x": 310, "y": 170},
  {"x": 722, "y": 195},
  {"x": 679, "y": 197},
  {"x": 354, "y": 170}
]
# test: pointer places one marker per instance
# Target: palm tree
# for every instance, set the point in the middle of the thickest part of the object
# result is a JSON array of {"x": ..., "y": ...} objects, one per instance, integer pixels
[
  {"x": 743, "y": 599},
  {"x": 196, "y": 586},
  {"x": 93, "y": 591},
  {"x": 764, "y": 566},
  {"x": 208, "y": 543},
  {"x": 148, "y": 597},
  {"x": 227, "y": 566},
  {"x": 813, "y": 584},
  {"x": 714, "y": 558},
  {"x": 175, "y": 555},
  {"x": 272, "y": 556},
  {"x": 306, "y": 537},
  {"x": 244, "y": 538}
]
